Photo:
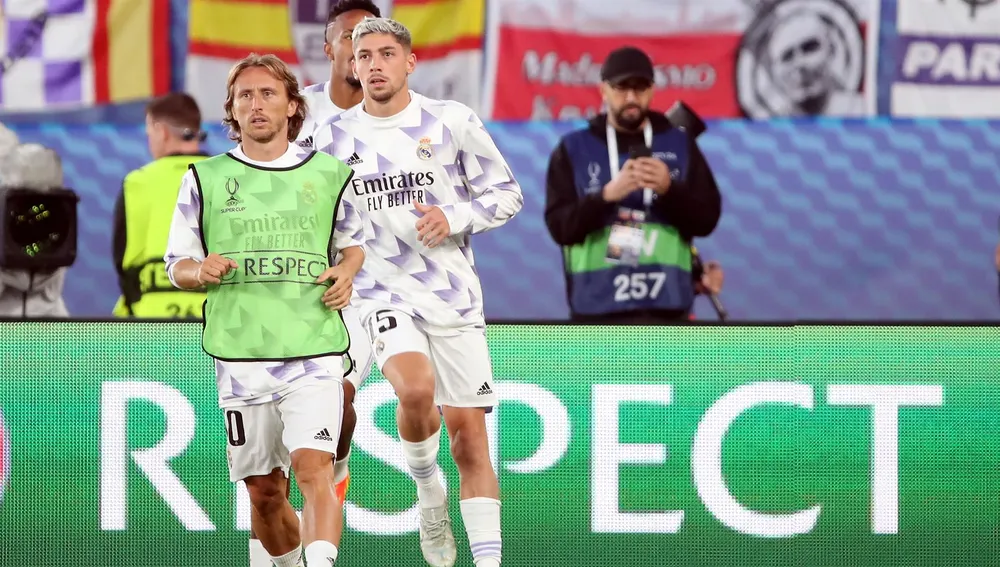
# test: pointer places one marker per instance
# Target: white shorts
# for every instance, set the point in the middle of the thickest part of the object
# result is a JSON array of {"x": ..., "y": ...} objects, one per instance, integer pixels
[
  {"x": 261, "y": 437},
  {"x": 359, "y": 357},
  {"x": 461, "y": 362}
]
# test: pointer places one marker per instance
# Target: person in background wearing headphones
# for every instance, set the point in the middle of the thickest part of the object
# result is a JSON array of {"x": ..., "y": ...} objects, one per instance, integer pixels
[{"x": 145, "y": 208}]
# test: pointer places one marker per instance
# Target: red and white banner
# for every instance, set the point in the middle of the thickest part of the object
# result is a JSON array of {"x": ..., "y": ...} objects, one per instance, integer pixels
[{"x": 724, "y": 58}]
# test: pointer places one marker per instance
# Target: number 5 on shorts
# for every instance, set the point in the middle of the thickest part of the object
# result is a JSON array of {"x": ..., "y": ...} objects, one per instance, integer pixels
[{"x": 386, "y": 322}]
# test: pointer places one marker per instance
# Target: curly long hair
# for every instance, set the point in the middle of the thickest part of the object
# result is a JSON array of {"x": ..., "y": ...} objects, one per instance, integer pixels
[{"x": 279, "y": 70}]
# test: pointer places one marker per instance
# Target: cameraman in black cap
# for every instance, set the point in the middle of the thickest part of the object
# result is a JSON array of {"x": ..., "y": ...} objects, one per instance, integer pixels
[{"x": 624, "y": 198}]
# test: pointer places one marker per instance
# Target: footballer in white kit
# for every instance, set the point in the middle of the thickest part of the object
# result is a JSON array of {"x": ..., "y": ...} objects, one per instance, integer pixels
[
  {"x": 259, "y": 226},
  {"x": 435, "y": 153},
  {"x": 323, "y": 101},
  {"x": 427, "y": 177}
]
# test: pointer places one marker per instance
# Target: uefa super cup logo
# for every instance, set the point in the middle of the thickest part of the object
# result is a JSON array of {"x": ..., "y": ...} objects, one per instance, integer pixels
[{"x": 4, "y": 456}]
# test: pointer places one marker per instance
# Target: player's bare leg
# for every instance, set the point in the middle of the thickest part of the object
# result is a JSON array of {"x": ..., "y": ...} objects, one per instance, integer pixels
[
  {"x": 322, "y": 513},
  {"x": 480, "y": 491},
  {"x": 419, "y": 423},
  {"x": 259, "y": 557},
  {"x": 274, "y": 519},
  {"x": 342, "y": 474}
]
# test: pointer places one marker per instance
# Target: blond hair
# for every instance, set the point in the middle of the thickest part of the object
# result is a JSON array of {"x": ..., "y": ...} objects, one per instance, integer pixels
[
  {"x": 383, "y": 26},
  {"x": 279, "y": 70}
]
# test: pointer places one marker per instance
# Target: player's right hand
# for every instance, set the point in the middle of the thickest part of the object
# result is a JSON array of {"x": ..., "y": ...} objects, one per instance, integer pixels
[
  {"x": 213, "y": 268},
  {"x": 623, "y": 184}
]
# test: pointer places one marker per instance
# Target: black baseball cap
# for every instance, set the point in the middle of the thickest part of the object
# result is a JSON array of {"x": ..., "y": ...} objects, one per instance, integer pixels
[{"x": 627, "y": 63}]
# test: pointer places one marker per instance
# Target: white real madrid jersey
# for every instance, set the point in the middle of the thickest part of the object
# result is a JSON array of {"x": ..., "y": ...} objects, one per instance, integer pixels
[
  {"x": 437, "y": 153},
  {"x": 319, "y": 107}
]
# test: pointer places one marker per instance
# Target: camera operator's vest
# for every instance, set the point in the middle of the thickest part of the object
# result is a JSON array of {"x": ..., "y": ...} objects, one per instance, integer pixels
[
  {"x": 150, "y": 196},
  {"x": 278, "y": 226},
  {"x": 662, "y": 277}
]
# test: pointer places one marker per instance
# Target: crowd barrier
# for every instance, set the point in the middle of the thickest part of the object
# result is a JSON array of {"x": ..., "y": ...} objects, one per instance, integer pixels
[{"x": 705, "y": 445}]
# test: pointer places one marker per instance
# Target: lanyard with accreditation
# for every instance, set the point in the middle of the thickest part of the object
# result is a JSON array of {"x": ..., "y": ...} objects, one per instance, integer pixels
[{"x": 627, "y": 237}]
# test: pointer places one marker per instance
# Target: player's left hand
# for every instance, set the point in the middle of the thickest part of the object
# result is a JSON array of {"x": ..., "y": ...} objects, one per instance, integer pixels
[
  {"x": 432, "y": 227},
  {"x": 339, "y": 294},
  {"x": 654, "y": 174}
]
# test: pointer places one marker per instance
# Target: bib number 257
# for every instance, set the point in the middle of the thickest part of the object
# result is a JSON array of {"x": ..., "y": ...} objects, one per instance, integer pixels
[{"x": 638, "y": 286}]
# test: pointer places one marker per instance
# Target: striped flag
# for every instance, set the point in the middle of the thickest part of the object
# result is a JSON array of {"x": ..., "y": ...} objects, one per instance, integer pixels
[
  {"x": 447, "y": 38},
  {"x": 448, "y": 41},
  {"x": 220, "y": 33},
  {"x": 64, "y": 54}
]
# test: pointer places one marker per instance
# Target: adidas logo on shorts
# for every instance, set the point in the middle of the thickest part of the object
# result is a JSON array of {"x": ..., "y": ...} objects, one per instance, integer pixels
[
  {"x": 355, "y": 159},
  {"x": 323, "y": 435},
  {"x": 484, "y": 390}
]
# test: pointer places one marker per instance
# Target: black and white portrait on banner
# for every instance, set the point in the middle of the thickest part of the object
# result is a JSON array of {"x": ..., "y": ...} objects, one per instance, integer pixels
[{"x": 803, "y": 58}]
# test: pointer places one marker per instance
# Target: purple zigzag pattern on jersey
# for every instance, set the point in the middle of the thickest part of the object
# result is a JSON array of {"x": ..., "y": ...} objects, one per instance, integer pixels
[
  {"x": 238, "y": 390},
  {"x": 396, "y": 299},
  {"x": 310, "y": 367},
  {"x": 190, "y": 212},
  {"x": 466, "y": 247},
  {"x": 455, "y": 282},
  {"x": 485, "y": 164},
  {"x": 433, "y": 270},
  {"x": 473, "y": 306},
  {"x": 281, "y": 371},
  {"x": 404, "y": 256},
  {"x": 340, "y": 145},
  {"x": 370, "y": 294},
  {"x": 421, "y": 128},
  {"x": 450, "y": 295},
  {"x": 454, "y": 173},
  {"x": 382, "y": 164},
  {"x": 377, "y": 230},
  {"x": 487, "y": 213},
  {"x": 376, "y": 237},
  {"x": 359, "y": 146},
  {"x": 359, "y": 234},
  {"x": 489, "y": 171}
]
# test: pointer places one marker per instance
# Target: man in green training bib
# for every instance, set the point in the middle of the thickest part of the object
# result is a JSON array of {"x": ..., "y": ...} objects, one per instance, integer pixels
[{"x": 262, "y": 227}]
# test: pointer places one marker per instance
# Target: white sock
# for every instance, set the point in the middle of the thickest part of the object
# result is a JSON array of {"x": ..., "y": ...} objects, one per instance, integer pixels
[
  {"x": 482, "y": 522},
  {"x": 340, "y": 468},
  {"x": 321, "y": 554},
  {"x": 421, "y": 457},
  {"x": 259, "y": 557},
  {"x": 291, "y": 559}
]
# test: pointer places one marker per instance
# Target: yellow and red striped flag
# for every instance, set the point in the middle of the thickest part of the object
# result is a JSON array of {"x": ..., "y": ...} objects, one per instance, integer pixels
[
  {"x": 448, "y": 41},
  {"x": 447, "y": 38},
  {"x": 220, "y": 33},
  {"x": 62, "y": 55}
]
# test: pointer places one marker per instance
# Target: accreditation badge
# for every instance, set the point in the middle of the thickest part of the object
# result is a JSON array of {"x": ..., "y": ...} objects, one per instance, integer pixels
[{"x": 626, "y": 238}]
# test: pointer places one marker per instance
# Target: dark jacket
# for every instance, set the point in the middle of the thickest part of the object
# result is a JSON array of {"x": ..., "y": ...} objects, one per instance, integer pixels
[{"x": 693, "y": 206}]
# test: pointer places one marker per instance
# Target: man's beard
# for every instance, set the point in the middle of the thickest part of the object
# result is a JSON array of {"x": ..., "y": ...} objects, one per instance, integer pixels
[
  {"x": 353, "y": 82},
  {"x": 627, "y": 123},
  {"x": 263, "y": 137},
  {"x": 383, "y": 97}
]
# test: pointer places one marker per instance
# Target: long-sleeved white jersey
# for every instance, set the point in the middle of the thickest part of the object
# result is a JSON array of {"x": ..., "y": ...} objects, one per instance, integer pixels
[
  {"x": 437, "y": 153},
  {"x": 246, "y": 383},
  {"x": 319, "y": 109}
]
